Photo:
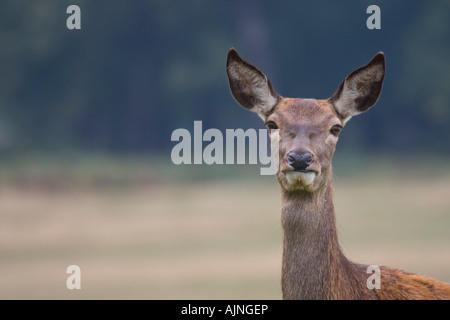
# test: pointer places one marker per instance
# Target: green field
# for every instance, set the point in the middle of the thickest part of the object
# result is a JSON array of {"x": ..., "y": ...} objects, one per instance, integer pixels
[{"x": 212, "y": 238}]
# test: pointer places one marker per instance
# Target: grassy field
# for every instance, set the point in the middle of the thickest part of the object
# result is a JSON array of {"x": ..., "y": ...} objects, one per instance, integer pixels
[{"x": 210, "y": 239}]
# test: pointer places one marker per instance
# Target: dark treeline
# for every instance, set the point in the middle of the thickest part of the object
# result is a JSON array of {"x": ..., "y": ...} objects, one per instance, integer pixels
[{"x": 137, "y": 70}]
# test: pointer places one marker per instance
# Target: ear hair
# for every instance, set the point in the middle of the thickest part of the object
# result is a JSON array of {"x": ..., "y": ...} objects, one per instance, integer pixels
[
  {"x": 250, "y": 86},
  {"x": 361, "y": 88}
]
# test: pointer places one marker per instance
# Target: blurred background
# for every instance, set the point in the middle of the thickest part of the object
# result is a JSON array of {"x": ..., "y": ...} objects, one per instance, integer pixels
[{"x": 86, "y": 118}]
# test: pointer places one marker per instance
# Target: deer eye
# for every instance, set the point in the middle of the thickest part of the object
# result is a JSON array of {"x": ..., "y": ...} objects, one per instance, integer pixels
[
  {"x": 336, "y": 129},
  {"x": 271, "y": 125}
]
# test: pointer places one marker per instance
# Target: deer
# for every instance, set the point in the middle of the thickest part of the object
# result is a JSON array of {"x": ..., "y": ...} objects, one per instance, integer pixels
[{"x": 306, "y": 132}]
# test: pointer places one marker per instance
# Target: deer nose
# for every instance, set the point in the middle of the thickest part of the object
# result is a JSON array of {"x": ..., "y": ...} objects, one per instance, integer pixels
[{"x": 299, "y": 162}]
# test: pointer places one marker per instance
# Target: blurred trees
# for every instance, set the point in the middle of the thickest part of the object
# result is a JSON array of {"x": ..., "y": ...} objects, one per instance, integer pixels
[{"x": 137, "y": 70}]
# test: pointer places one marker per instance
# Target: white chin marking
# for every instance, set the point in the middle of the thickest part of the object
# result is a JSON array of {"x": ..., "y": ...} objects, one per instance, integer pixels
[{"x": 306, "y": 178}]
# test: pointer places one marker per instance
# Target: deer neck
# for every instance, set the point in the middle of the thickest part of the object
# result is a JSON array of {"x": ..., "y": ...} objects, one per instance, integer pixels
[{"x": 314, "y": 266}]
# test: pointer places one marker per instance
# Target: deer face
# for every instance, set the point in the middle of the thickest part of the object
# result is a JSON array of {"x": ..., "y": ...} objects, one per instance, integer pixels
[{"x": 305, "y": 130}]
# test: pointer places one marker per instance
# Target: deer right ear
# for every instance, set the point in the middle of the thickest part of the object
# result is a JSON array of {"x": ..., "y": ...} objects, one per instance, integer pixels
[
  {"x": 250, "y": 86},
  {"x": 360, "y": 89}
]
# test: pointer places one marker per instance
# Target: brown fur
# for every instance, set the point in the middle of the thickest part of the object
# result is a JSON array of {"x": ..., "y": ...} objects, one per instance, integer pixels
[
  {"x": 397, "y": 284},
  {"x": 314, "y": 266}
]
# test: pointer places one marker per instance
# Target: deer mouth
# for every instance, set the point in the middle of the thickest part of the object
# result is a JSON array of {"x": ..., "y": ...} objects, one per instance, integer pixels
[
  {"x": 303, "y": 170},
  {"x": 300, "y": 178},
  {"x": 293, "y": 171}
]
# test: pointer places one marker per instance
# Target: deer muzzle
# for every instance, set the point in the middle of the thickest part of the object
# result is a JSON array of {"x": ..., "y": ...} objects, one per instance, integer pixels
[{"x": 298, "y": 162}]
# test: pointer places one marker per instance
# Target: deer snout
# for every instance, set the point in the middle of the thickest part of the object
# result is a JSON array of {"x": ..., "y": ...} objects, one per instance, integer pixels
[{"x": 300, "y": 162}]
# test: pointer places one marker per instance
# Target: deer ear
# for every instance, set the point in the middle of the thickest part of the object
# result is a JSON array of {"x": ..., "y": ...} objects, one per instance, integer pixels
[
  {"x": 250, "y": 86},
  {"x": 360, "y": 89}
]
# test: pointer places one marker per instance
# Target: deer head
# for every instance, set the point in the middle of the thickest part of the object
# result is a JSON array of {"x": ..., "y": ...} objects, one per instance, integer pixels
[{"x": 306, "y": 130}]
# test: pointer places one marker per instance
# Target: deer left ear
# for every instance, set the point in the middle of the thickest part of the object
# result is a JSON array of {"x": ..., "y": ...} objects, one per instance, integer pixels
[
  {"x": 360, "y": 89},
  {"x": 250, "y": 86}
]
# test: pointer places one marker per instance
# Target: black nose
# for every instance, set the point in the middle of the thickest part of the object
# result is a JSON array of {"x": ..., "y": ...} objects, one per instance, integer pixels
[{"x": 299, "y": 162}]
